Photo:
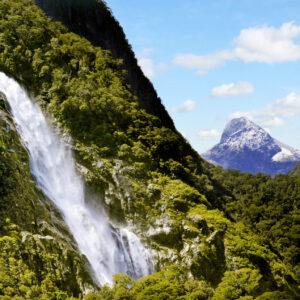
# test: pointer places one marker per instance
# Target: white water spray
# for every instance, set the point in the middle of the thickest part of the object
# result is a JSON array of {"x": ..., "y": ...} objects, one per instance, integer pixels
[{"x": 52, "y": 165}]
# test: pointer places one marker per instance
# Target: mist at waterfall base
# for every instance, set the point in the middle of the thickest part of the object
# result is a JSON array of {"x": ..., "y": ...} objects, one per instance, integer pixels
[{"x": 53, "y": 167}]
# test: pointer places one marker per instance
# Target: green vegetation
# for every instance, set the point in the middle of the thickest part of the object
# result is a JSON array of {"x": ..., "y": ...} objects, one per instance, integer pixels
[
  {"x": 86, "y": 90},
  {"x": 38, "y": 258},
  {"x": 93, "y": 20},
  {"x": 270, "y": 207},
  {"x": 295, "y": 170},
  {"x": 215, "y": 234},
  {"x": 21, "y": 269}
]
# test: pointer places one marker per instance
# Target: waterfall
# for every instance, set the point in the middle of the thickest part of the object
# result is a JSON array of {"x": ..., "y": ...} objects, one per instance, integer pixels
[{"x": 108, "y": 251}]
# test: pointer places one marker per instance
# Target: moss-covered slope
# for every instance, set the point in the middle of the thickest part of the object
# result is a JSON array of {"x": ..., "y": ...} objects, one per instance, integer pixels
[
  {"x": 38, "y": 257},
  {"x": 93, "y": 20}
]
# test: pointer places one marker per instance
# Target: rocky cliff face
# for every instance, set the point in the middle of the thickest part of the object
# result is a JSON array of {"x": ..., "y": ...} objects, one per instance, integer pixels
[
  {"x": 249, "y": 148},
  {"x": 93, "y": 20}
]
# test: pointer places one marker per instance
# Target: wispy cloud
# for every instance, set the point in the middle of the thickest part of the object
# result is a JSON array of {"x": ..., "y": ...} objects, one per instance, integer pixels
[
  {"x": 209, "y": 133},
  {"x": 202, "y": 63},
  {"x": 273, "y": 115},
  {"x": 233, "y": 89},
  {"x": 187, "y": 106},
  {"x": 265, "y": 44},
  {"x": 147, "y": 64},
  {"x": 268, "y": 130}
]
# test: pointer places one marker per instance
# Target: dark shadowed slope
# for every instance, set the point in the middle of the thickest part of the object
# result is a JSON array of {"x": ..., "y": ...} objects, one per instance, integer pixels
[{"x": 93, "y": 20}]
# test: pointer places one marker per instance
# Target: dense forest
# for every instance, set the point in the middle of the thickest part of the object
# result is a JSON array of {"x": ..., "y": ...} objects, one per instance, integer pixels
[
  {"x": 215, "y": 234},
  {"x": 94, "y": 21}
]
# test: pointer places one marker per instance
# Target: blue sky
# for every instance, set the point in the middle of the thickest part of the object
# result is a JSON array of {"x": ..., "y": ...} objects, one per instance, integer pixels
[{"x": 213, "y": 60}]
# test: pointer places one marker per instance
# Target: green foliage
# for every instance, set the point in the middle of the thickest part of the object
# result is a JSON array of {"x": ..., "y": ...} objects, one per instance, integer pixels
[
  {"x": 86, "y": 90},
  {"x": 238, "y": 283},
  {"x": 159, "y": 183},
  {"x": 35, "y": 261},
  {"x": 270, "y": 206},
  {"x": 8, "y": 169},
  {"x": 93, "y": 296},
  {"x": 17, "y": 279},
  {"x": 274, "y": 296},
  {"x": 169, "y": 283}
]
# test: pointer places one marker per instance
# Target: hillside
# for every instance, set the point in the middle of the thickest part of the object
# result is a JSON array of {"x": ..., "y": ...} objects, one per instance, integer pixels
[
  {"x": 212, "y": 234},
  {"x": 93, "y": 20},
  {"x": 247, "y": 147},
  {"x": 295, "y": 170},
  {"x": 38, "y": 253}
]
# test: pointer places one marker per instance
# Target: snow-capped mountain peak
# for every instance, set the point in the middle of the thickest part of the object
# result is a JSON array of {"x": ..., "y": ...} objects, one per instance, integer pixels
[
  {"x": 248, "y": 147},
  {"x": 241, "y": 132}
]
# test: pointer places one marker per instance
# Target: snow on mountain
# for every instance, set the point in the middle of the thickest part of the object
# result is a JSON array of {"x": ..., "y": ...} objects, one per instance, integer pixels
[
  {"x": 247, "y": 147},
  {"x": 283, "y": 155}
]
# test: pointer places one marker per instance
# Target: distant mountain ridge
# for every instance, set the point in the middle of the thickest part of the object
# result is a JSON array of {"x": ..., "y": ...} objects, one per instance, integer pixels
[{"x": 247, "y": 147}]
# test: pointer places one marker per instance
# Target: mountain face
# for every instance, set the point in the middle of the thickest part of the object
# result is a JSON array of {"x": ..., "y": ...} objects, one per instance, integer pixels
[
  {"x": 34, "y": 239},
  {"x": 295, "y": 170},
  {"x": 210, "y": 236},
  {"x": 247, "y": 147},
  {"x": 93, "y": 20}
]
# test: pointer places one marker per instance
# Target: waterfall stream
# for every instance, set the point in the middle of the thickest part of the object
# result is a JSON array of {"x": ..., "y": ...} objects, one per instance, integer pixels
[{"x": 108, "y": 251}]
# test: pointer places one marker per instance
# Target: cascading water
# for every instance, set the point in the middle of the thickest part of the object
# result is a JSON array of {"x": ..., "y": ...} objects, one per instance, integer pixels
[{"x": 107, "y": 250}]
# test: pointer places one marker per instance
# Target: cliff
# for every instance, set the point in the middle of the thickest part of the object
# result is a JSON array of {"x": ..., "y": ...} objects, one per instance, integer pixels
[
  {"x": 222, "y": 230},
  {"x": 38, "y": 253},
  {"x": 93, "y": 20}
]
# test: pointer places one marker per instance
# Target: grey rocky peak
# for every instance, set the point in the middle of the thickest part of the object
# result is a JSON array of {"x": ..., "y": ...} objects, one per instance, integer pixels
[{"x": 247, "y": 147}]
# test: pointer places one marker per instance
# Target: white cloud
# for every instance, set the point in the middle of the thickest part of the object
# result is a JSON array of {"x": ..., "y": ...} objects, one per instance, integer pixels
[
  {"x": 209, "y": 133},
  {"x": 162, "y": 67},
  {"x": 268, "y": 44},
  {"x": 233, "y": 89},
  {"x": 265, "y": 44},
  {"x": 147, "y": 65},
  {"x": 273, "y": 114},
  {"x": 273, "y": 122},
  {"x": 187, "y": 106},
  {"x": 202, "y": 63},
  {"x": 288, "y": 106}
]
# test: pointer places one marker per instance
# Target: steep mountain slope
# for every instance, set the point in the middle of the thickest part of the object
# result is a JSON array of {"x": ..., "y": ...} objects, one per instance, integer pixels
[
  {"x": 93, "y": 20},
  {"x": 38, "y": 255},
  {"x": 249, "y": 148},
  {"x": 144, "y": 174},
  {"x": 295, "y": 170}
]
